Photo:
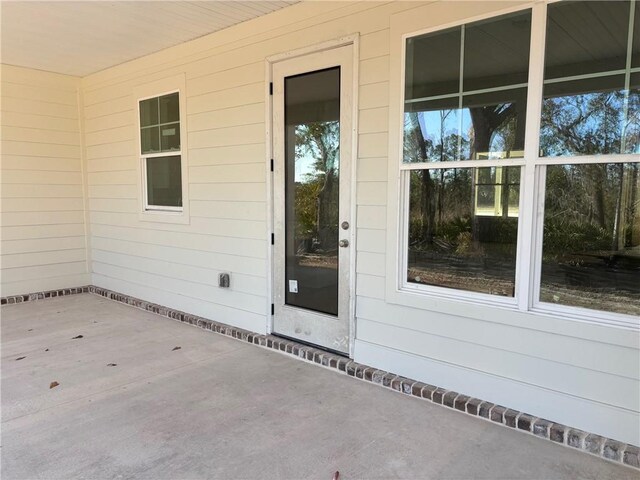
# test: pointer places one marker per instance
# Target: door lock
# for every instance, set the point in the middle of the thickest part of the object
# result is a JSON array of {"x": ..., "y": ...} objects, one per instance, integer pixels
[
  {"x": 344, "y": 243},
  {"x": 345, "y": 225}
]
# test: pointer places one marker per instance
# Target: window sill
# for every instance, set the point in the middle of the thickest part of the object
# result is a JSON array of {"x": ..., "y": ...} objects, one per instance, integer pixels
[
  {"x": 464, "y": 296},
  {"x": 586, "y": 315},
  {"x": 165, "y": 216},
  {"x": 432, "y": 297}
]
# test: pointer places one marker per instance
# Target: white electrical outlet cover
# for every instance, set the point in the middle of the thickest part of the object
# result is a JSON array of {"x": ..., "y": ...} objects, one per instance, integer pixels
[{"x": 293, "y": 286}]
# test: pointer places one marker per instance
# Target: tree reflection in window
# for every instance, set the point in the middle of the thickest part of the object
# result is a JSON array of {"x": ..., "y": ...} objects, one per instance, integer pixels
[
  {"x": 317, "y": 183},
  {"x": 451, "y": 243},
  {"x": 591, "y": 246},
  {"x": 591, "y": 94},
  {"x": 312, "y": 189},
  {"x": 465, "y": 99},
  {"x": 583, "y": 118},
  {"x": 484, "y": 129}
]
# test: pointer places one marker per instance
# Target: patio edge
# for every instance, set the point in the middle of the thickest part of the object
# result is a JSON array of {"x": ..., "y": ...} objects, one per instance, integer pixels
[{"x": 605, "y": 448}]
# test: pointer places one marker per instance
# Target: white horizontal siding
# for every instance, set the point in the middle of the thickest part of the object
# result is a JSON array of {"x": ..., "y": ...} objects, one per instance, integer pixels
[
  {"x": 371, "y": 193},
  {"x": 228, "y": 155},
  {"x": 225, "y": 100},
  {"x": 370, "y": 286},
  {"x": 177, "y": 265},
  {"x": 158, "y": 293},
  {"x": 374, "y": 44},
  {"x": 98, "y": 124},
  {"x": 374, "y": 70},
  {"x": 38, "y": 108},
  {"x": 41, "y": 177},
  {"x": 29, "y": 120},
  {"x": 42, "y": 217},
  {"x": 556, "y": 370},
  {"x": 186, "y": 281},
  {"x": 372, "y": 217},
  {"x": 569, "y": 409},
  {"x": 233, "y": 116},
  {"x": 373, "y": 169},
  {"x": 373, "y": 120},
  {"x": 371, "y": 241},
  {"x": 229, "y": 78},
  {"x": 209, "y": 226},
  {"x": 506, "y": 352},
  {"x": 183, "y": 241},
  {"x": 14, "y": 219},
  {"x": 240, "y": 173},
  {"x": 49, "y": 164},
  {"x": 221, "y": 261},
  {"x": 42, "y": 232},
  {"x": 11, "y": 247}
]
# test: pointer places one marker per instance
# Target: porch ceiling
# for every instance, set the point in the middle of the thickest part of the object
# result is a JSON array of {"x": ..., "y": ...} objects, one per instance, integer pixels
[{"x": 80, "y": 38}]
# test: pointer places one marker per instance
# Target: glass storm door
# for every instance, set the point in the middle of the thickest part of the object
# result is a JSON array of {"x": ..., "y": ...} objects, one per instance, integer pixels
[{"x": 312, "y": 207}]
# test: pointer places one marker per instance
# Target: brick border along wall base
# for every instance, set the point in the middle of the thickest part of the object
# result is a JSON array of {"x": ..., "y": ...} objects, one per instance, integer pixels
[{"x": 606, "y": 448}]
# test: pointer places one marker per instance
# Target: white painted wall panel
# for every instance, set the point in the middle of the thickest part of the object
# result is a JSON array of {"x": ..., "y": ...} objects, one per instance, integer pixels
[
  {"x": 233, "y": 116},
  {"x": 509, "y": 355},
  {"x": 227, "y": 155},
  {"x": 222, "y": 80},
  {"x": 42, "y": 211},
  {"x": 21, "y": 162},
  {"x": 60, "y": 231},
  {"x": 370, "y": 240},
  {"x": 371, "y": 193},
  {"x": 374, "y": 70},
  {"x": 372, "y": 169},
  {"x": 28, "y": 120},
  {"x": 374, "y": 44},
  {"x": 35, "y": 107},
  {"x": 172, "y": 244},
  {"x": 110, "y": 121},
  {"x": 373, "y": 120}
]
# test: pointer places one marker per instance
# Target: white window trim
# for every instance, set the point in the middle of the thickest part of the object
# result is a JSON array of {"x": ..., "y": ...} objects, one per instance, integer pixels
[
  {"x": 156, "y": 213},
  {"x": 524, "y": 307}
]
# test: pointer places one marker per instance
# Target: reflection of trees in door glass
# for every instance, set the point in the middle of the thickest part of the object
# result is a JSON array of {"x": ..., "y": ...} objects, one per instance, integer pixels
[{"x": 317, "y": 183}]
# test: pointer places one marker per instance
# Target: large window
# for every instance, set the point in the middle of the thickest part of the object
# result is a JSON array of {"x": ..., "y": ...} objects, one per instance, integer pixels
[
  {"x": 161, "y": 154},
  {"x": 591, "y": 226},
  {"x": 491, "y": 152},
  {"x": 464, "y": 125}
]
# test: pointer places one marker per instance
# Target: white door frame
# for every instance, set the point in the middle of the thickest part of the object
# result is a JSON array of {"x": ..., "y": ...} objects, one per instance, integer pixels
[{"x": 353, "y": 42}]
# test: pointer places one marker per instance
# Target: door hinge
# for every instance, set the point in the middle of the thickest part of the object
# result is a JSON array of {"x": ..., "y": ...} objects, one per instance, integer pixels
[
  {"x": 273, "y": 309},
  {"x": 270, "y": 88},
  {"x": 272, "y": 164},
  {"x": 273, "y": 239}
]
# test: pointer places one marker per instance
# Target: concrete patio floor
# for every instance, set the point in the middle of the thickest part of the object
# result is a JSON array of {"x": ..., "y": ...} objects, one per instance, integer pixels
[{"x": 219, "y": 408}]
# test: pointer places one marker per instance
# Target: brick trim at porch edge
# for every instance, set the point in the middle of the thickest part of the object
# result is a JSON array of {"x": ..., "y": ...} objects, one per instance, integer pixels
[
  {"x": 606, "y": 448},
  {"x": 30, "y": 297}
]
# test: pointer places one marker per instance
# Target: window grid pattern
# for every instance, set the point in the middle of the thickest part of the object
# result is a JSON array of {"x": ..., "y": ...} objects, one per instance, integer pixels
[
  {"x": 161, "y": 155},
  {"x": 532, "y": 180}
]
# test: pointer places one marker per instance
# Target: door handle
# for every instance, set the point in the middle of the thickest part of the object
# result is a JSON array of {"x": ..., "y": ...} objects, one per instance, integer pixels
[{"x": 344, "y": 243}]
